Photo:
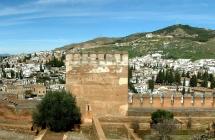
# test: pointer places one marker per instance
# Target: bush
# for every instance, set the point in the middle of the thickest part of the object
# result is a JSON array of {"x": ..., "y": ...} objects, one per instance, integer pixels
[
  {"x": 57, "y": 111},
  {"x": 161, "y": 115}
]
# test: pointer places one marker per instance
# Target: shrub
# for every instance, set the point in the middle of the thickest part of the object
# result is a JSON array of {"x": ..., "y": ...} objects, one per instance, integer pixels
[
  {"x": 160, "y": 115},
  {"x": 57, "y": 111}
]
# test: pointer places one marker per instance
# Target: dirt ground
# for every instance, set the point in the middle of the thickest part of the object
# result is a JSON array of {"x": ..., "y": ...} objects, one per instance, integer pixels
[
  {"x": 49, "y": 135},
  {"x": 10, "y": 135}
]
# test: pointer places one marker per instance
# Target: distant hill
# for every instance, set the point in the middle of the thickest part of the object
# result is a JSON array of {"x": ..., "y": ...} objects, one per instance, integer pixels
[
  {"x": 97, "y": 42},
  {"x": 176, "y": 41},
  {"x": 187, "y": 32},
  {"x": 3, "y": 55}
]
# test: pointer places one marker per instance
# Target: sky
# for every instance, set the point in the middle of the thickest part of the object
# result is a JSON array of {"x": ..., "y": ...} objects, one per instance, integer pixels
[{"x": 36, "y": 25}]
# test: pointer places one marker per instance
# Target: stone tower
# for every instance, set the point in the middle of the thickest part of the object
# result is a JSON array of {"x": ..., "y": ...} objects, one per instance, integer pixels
[{"x": 99, "y": 81}]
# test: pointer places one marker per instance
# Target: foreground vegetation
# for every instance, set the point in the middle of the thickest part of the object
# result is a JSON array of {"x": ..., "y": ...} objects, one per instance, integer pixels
[{"x": 57, "y": 111}]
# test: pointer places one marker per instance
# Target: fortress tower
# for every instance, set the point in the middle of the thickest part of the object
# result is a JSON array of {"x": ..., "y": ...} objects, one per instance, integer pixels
[{"x": 99, "y": 81}]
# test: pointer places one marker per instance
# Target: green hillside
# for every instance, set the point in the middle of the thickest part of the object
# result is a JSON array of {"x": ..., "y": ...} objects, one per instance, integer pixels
[{"x": 177, "y": 41}]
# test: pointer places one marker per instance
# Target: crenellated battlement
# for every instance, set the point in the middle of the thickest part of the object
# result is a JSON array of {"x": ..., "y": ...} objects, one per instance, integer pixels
[
  {"x": 120, "y": 57},
  {"x": 176, "y": 102}
]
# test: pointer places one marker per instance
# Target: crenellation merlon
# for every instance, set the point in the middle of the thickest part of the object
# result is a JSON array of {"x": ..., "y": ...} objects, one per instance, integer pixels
[{"x": 116, "y": 58}]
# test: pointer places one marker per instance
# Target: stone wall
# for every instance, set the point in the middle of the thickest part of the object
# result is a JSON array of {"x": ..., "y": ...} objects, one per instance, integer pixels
[
  {"x": 187, "y": 104},
  {"x": 97, "y": 128},
  {"x": 99, "y": 81},
  {"x": 176, "y": 103}
]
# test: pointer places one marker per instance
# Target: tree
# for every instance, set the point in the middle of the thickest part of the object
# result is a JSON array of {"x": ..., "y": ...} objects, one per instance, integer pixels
[
  {"x": 3, "y": 73},
  {"x": 130, "y": 85},
  {"x": 211, "y": 79},
  {"x": 177, "y": 79},
  {"x": 21, "y": 74},
  {"x": 151, "y": 85},
  {"x": 212, "y": 84},
  {"x": 170, "y": 77},
  {"x": 204, "y": 82},
  {"x": 193, "y": 81},
  {"x": 188, "y": 74},
  {"x": 184, "y": 83},
  {"x": 183, "y": 91},
  {"x": 166, "y": 76},
  {"x": 57, "y": 111},
  {"x": 183, "y": 74},
  {"x": 205, "y": 75},
  {"x": 55, "y": 62},
  {"x": 7, "y": 65},
  {"x": 199, "y": 75},
  {"x": 161, "y": 115},
  {"x": 159, "y": 78},
  {"x": 12, "y": 74},
  {"x": 163, "y": 122}
]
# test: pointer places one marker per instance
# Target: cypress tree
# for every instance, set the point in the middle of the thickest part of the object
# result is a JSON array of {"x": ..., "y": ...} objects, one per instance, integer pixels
[
  {"x": 199, "y": 75},
  {"x": 211, "y": 77},
  {"x": 205, "y": 75},
  {"x": 166, "y": 77},
  {"x": 183, "y": 74},
  {"x": 188, "y": 74},
  {"x": 205, "y": 79},
  {"x": 163, "y": 76},
  {"x": 205, "y": 82},
  {"x": 193, "y": 81},
  {"x": 183, "y": 91},
  {"x": 159, "y": 77},
  {"x": 177, "y": 79},
  {"x": 184, "y": 82},
  {"x": 170, "y": 77},
  {"x": 212, "y": 84}
]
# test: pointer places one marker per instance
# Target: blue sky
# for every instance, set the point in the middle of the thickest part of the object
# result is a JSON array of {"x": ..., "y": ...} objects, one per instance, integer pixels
[{"x": 33, "y": 25}]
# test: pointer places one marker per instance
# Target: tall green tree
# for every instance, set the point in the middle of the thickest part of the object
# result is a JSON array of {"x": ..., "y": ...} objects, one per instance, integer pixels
[
  {"x": 199, "y": 75},
  {"x": 57, "y": 111},
  {"x": 212, "y": 84},
  {"x": 205, "y": 75},
  {"x": 188, "y": 74},
  {"x": 193, "y": 81},
  {"x": 177, "y": 79},
  {"x": 166, "y": 76},
  {"x": 20, "y": 74},
  {"x": 183, "y": 74},
  {"x": 211, "y": 77},
  {"x": 130, "y": 85},
  {"x": 184, "y": 82},
  {"x": 13, "y": 74},
  {"x": 163, "y": 76},
  {"x": 183, "y": 91},
  {"x": 170, "y": 77},
  {"x": 159, "y": 78},
  {"x": 204, "y": 82}
]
